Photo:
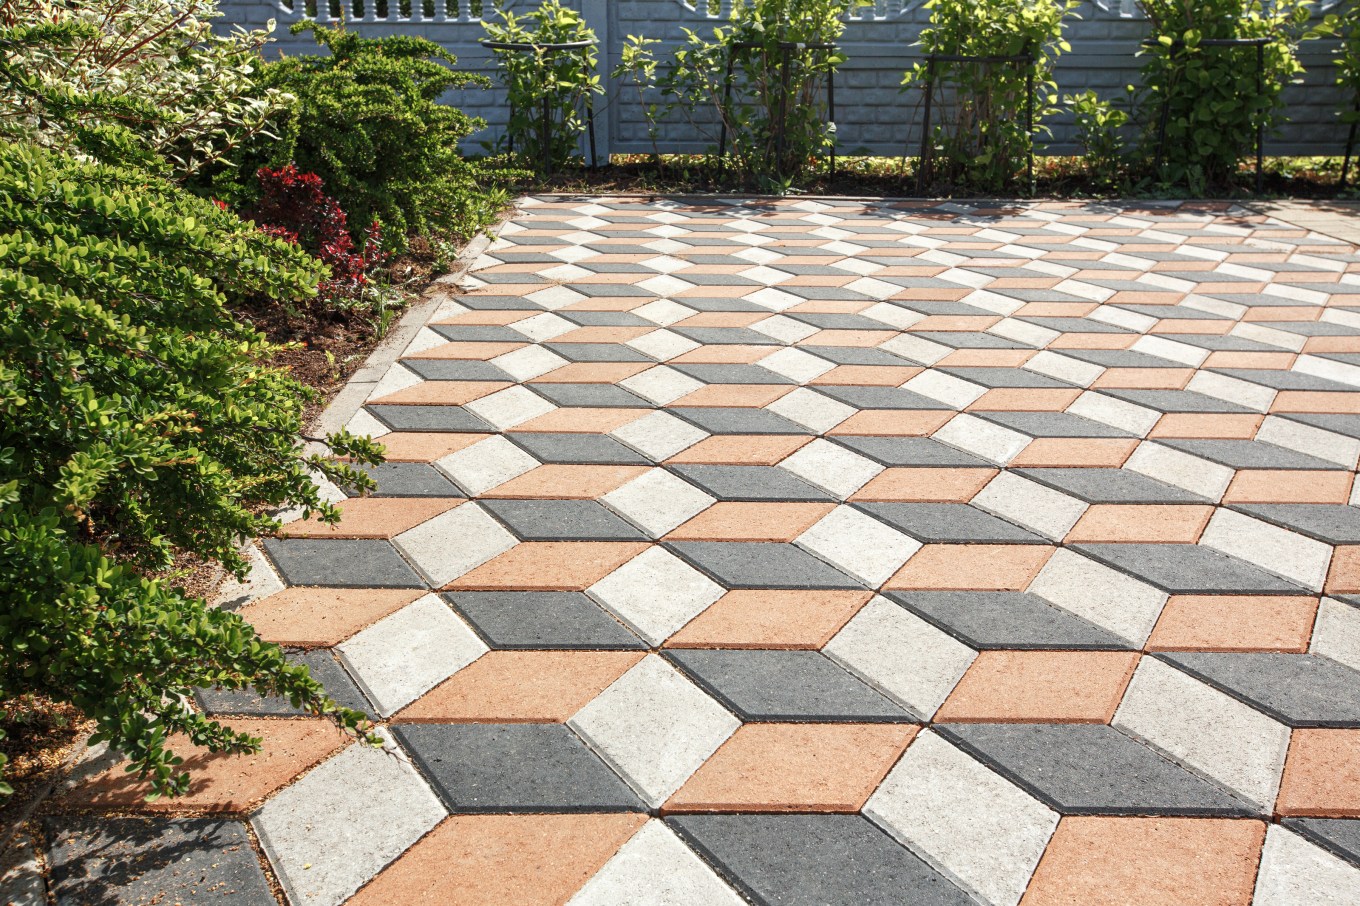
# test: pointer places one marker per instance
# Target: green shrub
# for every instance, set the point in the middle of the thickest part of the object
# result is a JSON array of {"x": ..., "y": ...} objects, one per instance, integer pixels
[
  {"x": 774, "y": 128},
  {"x": 368, "y": 121},
  {"x": 139, "y": 419},
  {"x": 1100, "y": 133},
  {"x": 565, "y": 79},
  {"x": 984, "y": 141},
  {"x": 1209, "y": 93}
]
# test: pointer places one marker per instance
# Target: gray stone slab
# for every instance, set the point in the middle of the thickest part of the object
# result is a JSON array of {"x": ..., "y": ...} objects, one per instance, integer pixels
[
  {"x": 857, "y": 355},
  {"x": 137, "y": 861},
  {"x": 1248, "y": 454},
  {"x": 598, "y": 352},
  {"x": 961, "y": 339},
  {"x": 1188, "y": 569},
  {"x": 1073, "y": 325},
  {"x": 324, "y": 668},
  {"x": 1121, "y": 358},
  {"x": 766, "y": 685},
  {"x": 515, "y": 768},
  {"x": 1334, "y": 523},
  {"x": 1092, "y": 769},
  {"x": 454, "y": 419},
  {"x": 750, "y": 483},
  {"x": 726, "y": 336},
  {"x": 580, "y": 449},
  {"x": 410, "y": 479},
  {"x": 1006, "y": 620},
  {"x": 1175, "y": 400},
  {"x": 1051, "y": 424},
  {"x": 1110, "y": 486},
  {"x": 500, "y": 303},
  {"x": 736, "y": 420},
  {"x": 1280, "y": 379},
  {"x": 341, "y": 563},
  {"x": 607, "y": 318},
  {"x": 1348, "y": 425},
  {"x": 477, "y": 333},
  {"x": 910, "y": 451},
  {"x": 562, "y": 520},
  {"x": 1301, "y": 690},
  {"x": 950, "y": 523},
  {"x": 815, "y": 860},
  {"x": 825, "y": 321},
  {"x": 761, "y": 565},
  {"x": 587, "y": 395},
  {"x": 880, "y": 397},
  {"x": 1006, "y": 377},
  {"x": 1340, "y": 836},
  {"x": 733, "y": 374},
  {"x": 538, "y": 620},
  {"x": 456, "y": 370}
]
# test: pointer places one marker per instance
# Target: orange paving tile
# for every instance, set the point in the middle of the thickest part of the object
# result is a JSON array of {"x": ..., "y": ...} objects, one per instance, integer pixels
[
  {"x": 549, "y": 566},
  {"x": 1040, "y": 686},
  {"x": 1290, "y": 486},
  {"x": 1074, "y": 452},
  {"x": 771, "y": 618},
  {"x": 920, "y": 484},
  {"x": 972, "y": 567},
  {"x": 558, "y": 481},
  {"x": 411, "y": 446},
  {"x": 1321, "y": 774},
  {"x": 322, "y": 617},
  {"x": 1164, "y": 523},
  {"x": 372, "y": 517},
  {"x": 441, "y": 393},
  {"x": 1234, "y": 623}
]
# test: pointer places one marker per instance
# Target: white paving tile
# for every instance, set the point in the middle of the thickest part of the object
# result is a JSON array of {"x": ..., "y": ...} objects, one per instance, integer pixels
[
  {"x": 661, "y": 384},
  {"x": 973, "y": 825},
  {"x": 1104, "y": 596},
  {"x": 260, "y": 582},
  {"x": 1291, "y": 555},
  {"x": 1064, "y": 368},
  {"x": 1206, "y": 730},
  {"x": 859, "y": 545},
  {"x": 659, "y": 435},
  {"x": 658, "y": 501},
  {"x": 1116, "y": 413},
  {"x": 511, "y": 406},
  {"x": 982, "y": 438},
  {"x": 485, "y": 464},
  {"x": 654, "y": 727},
  {"x": 1294, "y": 872},
  {"x": 1307, "y": 439},
  {"x": 529, "y": 362},
  {"x": 655, "y": 868},
  {"x": 901, "y": 655},
  {"x": 832, "y": 467},
  {"x": 1038, "y": 508},
  {"x": 450, "y": 544},
  {"x": 656, "y": 593},
  {"x": 955, "y": 393},
  {"x": 1180, "y": 469},
  {"x": 1336, "y": 634},
  {"x": 812, "y": 409},
  {"x": 783, "y": 329},
  {"x": 664, "y": 312},
  {"x": 916, "y": 349},
  {"x": 363, "y": 424},
  {"x": 408, "y": 653},
  {"x": 320, "y": 835},
  {"x": 663, "y": 344},
  {"x": 544, "y": 327},
  {"x": 795, "y": 364},
  {"x": 1232, "y": 390}
]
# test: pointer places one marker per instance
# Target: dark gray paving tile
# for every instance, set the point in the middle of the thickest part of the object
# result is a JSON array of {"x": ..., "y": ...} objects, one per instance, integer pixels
[
  {"x": 1301, "y": 690},
  {"x": 909, "y": 451},
  {"x": 950, "y": 522},
  {"x": 410, "y": 479},
  {"x": 324, "y": 668},
  {"x": 1121, "y": 358},
  {"x": 1051, "y": 424},
  {"x": 584, "y": 395},
  {"x": 430, "y": 418},
  {"x": 607, "y": 318},
  {"x": 1006, "y": 377},
  {"x": 577, "y": 448},
  {"x": 733, "y": 374},
  {"x": 815, "y": 860},
  {"x": 456, "y": 370},
  {"x": 1110, "y": 486},
  {"x": 1334, "y": 523},
  {"x": 1284, "y": 380},
  {"x": 1348, "y": 425},
  {"x": 138, "y": 861},
  {"x": 598, "y": 352},
  {"x": 765, "y": 685},
  {"x": 1188, "y": 569},
  {"x": 341, "y": 563},
  {"x": 726, "y": 336},
  {"x": 1074, "y": 325},
  {"x": 610, "y": 290},
  {"x": 750, "y": 483},
  {"x": 1006, "y": 620},
  {"x": 515, "y": 768},
  {"x": 1175, "y": 400},
  {"x": 880, "y": 397},
  {"x": 856, "y": 355},
  {"x": 538, "y": 620},
  {"x": 1340, "y": 836},
  {"x": 1249, "y": 454},
  {"x": 1092, "y": 769},
  {"x": 717, "y": 420},
  {"x": 761, "y": 565},
  {"x": 960, "y": 339},
  {"x": 562, "y": 520},
  {"x": 499, "y": 303},
  {"x": 477, "y": 333}
]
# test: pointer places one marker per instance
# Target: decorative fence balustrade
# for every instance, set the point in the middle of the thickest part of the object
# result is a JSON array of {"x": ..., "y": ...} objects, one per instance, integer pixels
[{"x": 873, "y": 115}]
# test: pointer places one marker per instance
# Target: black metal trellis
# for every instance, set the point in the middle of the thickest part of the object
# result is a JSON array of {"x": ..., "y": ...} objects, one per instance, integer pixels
[
  {"x": 1260, "y": 45},
  {"x": 545, "y": 122},
  {"x": 1350, "y": 144},
  {"x": 786, "y": 49},
  {"x": 924, "y": 162}
]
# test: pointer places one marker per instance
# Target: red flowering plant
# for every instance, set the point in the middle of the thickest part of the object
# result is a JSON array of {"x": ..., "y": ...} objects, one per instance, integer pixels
[{"x": 294, "y": 207}]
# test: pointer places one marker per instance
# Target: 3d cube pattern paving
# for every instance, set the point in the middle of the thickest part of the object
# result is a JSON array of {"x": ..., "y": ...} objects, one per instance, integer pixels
[{"x": 814, "y": 552}]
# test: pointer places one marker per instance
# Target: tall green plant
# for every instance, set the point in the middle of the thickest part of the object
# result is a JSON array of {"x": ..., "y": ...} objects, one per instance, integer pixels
[
  {"x": 983, "y": 139},
  {"x": 1201, "y": 104},
  {"x": 774, "y": 105},
  {"x": 1345, "y": 27},
  {"x": 541, "y": 79}
]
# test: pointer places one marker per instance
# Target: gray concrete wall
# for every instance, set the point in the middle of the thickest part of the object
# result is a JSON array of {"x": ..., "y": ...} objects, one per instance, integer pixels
[{"x": 873, "y": 115}]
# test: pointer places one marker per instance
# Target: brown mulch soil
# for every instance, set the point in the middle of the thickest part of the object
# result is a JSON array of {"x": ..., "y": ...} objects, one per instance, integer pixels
[{"x": 40, "y": 737}]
